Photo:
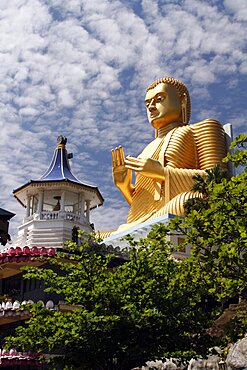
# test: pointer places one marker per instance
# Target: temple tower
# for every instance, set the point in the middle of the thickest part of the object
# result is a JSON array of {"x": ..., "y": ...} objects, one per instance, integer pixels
[{"x": 56, "y": 204}]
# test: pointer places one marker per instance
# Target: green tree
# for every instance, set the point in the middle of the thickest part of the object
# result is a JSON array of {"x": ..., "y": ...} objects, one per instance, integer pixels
[
  {"x": 203, "y": 186},
  {"x": 239, "y": 157},
  {"x": 125, "y": 315},
  {"x": 216, "y": 230}
]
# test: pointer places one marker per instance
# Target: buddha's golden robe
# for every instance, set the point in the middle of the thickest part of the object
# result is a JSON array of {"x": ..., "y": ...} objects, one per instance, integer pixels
[{"x": 184, "y": 151}]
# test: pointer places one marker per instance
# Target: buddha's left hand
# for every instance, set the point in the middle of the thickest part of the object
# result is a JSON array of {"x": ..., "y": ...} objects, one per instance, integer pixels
[{"x": 146, "y": 166}]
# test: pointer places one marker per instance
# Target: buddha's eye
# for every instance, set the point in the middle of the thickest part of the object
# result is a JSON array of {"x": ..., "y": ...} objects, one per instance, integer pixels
[
  {"x": 147, "y": 102},
  {"x": 160, "y": 98}
]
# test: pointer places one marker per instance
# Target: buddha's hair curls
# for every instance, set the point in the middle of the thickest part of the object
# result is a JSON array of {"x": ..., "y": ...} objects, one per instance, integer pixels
[{"x": 181, "y": 89}]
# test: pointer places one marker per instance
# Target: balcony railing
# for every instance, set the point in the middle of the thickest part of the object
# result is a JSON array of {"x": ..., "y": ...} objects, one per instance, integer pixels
[{"x": 57, "y": 215}]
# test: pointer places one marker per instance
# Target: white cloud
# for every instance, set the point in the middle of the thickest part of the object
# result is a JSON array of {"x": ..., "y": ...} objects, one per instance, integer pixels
[
  {"x": 65, "y": 99},
  {"x": 80, "y": 68},
  {"x": 109, "y": 217},
  {"x": 238, "y": 8}
]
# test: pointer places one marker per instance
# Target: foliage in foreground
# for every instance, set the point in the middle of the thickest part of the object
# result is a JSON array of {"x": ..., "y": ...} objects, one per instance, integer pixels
[
  {"x": 152, "y": 306},
  {"x": 217, "y": 231},
  {"x": 125, "y": 316}
]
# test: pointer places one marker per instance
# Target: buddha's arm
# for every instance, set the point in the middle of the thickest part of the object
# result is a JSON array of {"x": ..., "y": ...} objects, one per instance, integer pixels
[
  {"x": 181, "y": 173},
  {"x": 179, "y": 152},
  {"x": 122, "y": 176},
  {"x": 147, "y": 167},
  {"x": 153, "y": 169}
]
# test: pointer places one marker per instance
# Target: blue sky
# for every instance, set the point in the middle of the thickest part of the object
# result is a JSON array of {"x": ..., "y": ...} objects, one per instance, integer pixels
[{"x": 80, "y": 68}]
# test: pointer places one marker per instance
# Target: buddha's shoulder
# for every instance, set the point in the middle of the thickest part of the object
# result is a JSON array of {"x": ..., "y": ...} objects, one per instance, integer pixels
[
  {"x": 206, "y": 123},
  {"x": 207, "y": 127},
  {"x": 201, "y": 128}
]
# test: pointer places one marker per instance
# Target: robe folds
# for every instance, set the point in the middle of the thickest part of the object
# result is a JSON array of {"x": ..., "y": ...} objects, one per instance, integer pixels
[{"x": 184, "y": 151}]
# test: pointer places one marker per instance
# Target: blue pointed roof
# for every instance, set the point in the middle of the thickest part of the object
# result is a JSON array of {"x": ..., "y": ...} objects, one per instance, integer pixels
[
  {"x": 59, "y": 168},
  {"x": 59, "y": 171}
]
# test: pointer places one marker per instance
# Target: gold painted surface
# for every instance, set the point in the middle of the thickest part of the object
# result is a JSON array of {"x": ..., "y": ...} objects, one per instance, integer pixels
[
  {"x": 104, "y": 234},
  {"x": 210, "y": 141},
  {"x": 165, "y": 168}
]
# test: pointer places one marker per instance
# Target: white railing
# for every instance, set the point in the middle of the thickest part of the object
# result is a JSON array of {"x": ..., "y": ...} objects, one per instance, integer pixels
[
  {"x": 57, "y": 215},
  {"x": 49, "y": 215}
]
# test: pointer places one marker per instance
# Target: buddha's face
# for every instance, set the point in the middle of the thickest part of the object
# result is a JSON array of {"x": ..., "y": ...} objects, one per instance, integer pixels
[{"x": 163, "y": 105}]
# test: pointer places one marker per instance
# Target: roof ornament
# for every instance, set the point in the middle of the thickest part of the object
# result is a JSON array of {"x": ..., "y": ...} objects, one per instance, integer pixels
[{"x": 62, "y": 140}]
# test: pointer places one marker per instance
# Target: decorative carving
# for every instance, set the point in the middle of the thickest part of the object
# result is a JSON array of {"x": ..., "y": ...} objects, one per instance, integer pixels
[{"x": 62, "y": 140}]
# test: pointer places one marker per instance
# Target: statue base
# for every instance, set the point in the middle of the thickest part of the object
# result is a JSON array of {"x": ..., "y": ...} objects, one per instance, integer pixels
[{"x": 142, "y": 230}]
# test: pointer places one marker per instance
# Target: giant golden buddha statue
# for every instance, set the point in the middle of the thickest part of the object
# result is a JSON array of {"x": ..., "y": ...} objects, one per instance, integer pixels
[{"x": 165, "y": 168}]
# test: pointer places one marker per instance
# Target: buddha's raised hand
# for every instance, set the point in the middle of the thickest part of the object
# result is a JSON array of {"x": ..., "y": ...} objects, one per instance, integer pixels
[{"x": 122, "y": 176}]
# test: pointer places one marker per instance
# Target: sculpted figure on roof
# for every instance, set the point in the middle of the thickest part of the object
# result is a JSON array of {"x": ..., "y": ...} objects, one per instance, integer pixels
[
  {"x": 62, "y": 140},
  {"x": 165, "y": 168}
]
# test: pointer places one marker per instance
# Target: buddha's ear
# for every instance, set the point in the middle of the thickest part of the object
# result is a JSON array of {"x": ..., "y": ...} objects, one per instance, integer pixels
[{"x": 184, "y": 109}]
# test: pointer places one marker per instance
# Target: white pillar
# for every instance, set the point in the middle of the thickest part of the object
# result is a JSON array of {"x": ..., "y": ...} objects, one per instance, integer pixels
[
  {"x": 62, "y": 204},
  {"x": 40, "y": 201},
  {"x": 82, "y": 205},
  {"x": 87, "y": 210},
  {"x": 229, "y": 138},
  {"x": 28, "y": 206},
  {"x": 32, "y": 205}
]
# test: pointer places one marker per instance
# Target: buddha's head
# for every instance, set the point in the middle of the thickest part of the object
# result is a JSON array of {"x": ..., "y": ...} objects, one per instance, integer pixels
[{"x": 167, "y": 100}]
